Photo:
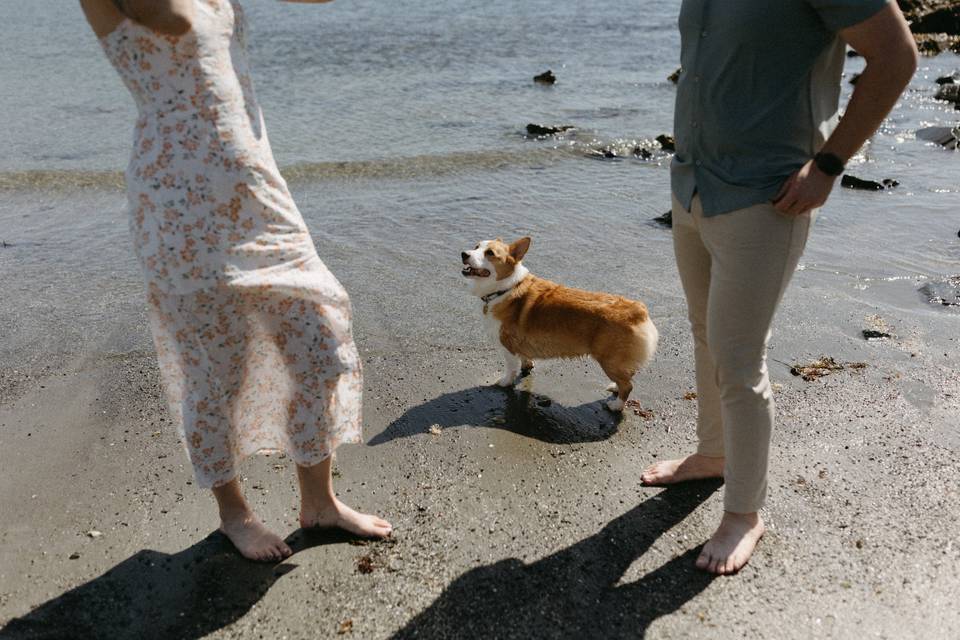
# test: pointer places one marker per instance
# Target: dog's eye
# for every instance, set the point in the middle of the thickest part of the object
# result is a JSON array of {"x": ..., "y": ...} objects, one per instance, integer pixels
[{"x": 489, "y": 253}]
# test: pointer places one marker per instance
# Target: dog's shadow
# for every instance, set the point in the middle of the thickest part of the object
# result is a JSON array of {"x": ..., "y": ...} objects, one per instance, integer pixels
[
  {"x": 184, "y": 595},
  {"x": 515, "y": 410}
]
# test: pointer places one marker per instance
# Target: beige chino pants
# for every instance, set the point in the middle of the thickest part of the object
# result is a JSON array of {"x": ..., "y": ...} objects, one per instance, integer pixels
[{"x": 734, "y": 268}]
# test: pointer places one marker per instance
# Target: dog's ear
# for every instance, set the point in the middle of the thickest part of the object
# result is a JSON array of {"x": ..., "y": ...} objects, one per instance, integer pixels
[{"x": 519, "y": 248}]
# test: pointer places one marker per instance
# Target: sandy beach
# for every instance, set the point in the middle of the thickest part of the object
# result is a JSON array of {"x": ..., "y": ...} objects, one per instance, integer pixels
[{"x": 518, "y": 514}]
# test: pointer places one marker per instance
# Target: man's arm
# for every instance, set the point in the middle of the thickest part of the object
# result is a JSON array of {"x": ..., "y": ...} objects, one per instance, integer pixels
[
  {"x": 171, "y": 17},
  {"x": 885, "y": 42}
]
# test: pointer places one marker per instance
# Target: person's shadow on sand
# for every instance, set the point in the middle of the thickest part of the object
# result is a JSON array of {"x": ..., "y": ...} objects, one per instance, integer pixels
[
  {"x": 185, "y": 595},
  {"x": 574, "y": 593},
  {"x": 515, "y": 410}
]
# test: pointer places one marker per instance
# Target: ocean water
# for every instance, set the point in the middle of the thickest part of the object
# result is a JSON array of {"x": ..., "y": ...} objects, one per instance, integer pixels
[{"x": 401, "y": 129}]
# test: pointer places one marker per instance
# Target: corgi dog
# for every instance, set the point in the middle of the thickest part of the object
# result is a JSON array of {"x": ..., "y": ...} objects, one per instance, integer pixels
[{"x": 532, "y": 318}]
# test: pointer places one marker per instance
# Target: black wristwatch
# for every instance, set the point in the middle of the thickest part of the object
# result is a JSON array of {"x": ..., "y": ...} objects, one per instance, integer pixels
[{"x": 829, "y": 164}]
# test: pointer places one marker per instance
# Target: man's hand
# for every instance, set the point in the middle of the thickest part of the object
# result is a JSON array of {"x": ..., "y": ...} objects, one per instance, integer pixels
[{"x": 808, "y": 188}]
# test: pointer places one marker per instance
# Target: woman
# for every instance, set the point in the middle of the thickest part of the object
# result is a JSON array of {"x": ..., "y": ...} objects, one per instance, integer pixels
[{"x": 253, "y": 333}]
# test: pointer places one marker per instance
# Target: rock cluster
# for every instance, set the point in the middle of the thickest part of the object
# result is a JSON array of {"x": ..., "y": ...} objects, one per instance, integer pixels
[{"x": 934, "y": 23}]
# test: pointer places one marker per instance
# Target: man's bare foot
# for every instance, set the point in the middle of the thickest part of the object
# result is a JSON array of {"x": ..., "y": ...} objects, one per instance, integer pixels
[
  {"x": 732, "y": 544},
  {"x": 336, "y": 515},
  {"x": 693, "y": 467},
  {"x": 253, "y": 539}
]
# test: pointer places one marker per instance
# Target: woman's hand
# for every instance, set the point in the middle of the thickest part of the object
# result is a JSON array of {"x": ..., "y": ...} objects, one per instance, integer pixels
[
  {"x": 808, "y": 188},
  {"x": 170, "y": 17}
]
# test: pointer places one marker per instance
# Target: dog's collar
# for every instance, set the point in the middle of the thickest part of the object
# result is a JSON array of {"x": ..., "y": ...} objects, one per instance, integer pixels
[
  {"x": 496, "y": 294},
  {"x": 490, "y": 297}
]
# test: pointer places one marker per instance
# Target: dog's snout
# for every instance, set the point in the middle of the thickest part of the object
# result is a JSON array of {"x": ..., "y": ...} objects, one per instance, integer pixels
[{"x": 464, "y": 256}]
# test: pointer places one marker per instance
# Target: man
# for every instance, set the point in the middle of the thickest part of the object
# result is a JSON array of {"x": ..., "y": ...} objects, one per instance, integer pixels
[{"x": 758, "y": 151}]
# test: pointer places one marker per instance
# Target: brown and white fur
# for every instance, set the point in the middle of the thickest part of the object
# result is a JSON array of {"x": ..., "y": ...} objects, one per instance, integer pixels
[{"x": 532, "y": 318}]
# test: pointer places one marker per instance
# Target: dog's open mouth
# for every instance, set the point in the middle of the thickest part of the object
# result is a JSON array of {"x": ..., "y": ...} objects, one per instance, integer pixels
[{"x": 472, "y": 272}]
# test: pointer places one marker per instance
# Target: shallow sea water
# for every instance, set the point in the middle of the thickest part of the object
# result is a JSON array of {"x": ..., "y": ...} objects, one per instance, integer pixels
[{"x": 400, "y": 127}]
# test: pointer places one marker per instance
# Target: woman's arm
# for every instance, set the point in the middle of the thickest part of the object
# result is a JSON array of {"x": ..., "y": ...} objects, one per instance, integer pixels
[{"x": 171, "y": 17}]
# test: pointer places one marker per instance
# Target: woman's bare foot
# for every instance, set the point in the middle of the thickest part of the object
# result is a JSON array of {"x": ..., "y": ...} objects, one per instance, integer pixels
[
  {"x": 246, "y": 531},
  {"x": 254, "y": 540},
  {"x": 732, "y": 544},
  {"x": 337, "y": 515},
  {"x": 319, "y": 506},
  {"x": 693, "y": 467}
]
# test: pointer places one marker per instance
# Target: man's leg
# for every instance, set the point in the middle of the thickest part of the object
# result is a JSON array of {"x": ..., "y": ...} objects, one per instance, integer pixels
[
  {"x": 755, "y": 252},
  {"x": 693, "y": 263}
]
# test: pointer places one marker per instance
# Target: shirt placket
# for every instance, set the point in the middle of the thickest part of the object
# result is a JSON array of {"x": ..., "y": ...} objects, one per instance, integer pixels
[{"x": 701, "y": 34}]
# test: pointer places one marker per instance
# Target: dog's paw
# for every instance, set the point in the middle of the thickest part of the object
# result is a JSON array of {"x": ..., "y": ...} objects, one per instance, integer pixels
[
  {"x": 615, "y": 405},
  {"x": 508, "y": 380},
  {"x": 613, "y": 388}
]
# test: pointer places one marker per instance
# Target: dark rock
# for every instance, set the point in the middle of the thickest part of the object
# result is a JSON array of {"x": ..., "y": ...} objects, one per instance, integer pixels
[
  {"x": 642, "y": 153},
  {"x": 948, "y": 92},
  {"x": 854, "y": 78},
  {"x": 546, "y": 77},
  {"x": 873, "y": 334},
  {"x": 666, "y": 142},
  {"x": 944, "y": 136},
  {"x": 851, "y": 53},
  {"x": 932, "y": 16},
  {"x": 675, "y": 76},
  {"x": 951, "y": 79},
  {"x": 540, "y": 130},
  {"x": 890, "y": 183},
  {"x": 666, "y": 219},
  {"x": 852, "y": 182},
  {"x": 931, "y": 44}
]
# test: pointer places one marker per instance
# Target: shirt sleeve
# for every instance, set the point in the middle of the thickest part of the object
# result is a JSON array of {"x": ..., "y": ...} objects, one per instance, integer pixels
[{"x": 840, "y": 14}]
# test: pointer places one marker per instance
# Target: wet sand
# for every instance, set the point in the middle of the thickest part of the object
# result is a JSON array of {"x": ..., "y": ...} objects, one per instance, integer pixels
[{"x": 524, "y": 517}]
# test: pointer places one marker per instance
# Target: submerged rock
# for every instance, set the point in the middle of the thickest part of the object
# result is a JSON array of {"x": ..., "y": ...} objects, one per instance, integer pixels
[
  {"x": 945, "y": 292},
  {"x": 666, "y": 142},
  {"x": 546, "y": 77},
  {"x": 643, "y": 153},
  {"x": 854, "y": 78},
  {"x": 951, "y": 79},
  {"x": 944, "y": 136},
  {"x": 675, "y": 76},
  {"x": 853, "y": 182},
  {"x": 873, "y": 334},
  {"x": 540, "y": 130}
]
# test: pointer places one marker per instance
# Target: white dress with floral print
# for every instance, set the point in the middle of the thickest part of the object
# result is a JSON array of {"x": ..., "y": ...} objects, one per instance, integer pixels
[{"x": 252, "y": 331}]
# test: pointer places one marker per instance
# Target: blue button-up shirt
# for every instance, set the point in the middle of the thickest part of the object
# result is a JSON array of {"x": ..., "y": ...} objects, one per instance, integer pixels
[{"x": 758, "y": 94}]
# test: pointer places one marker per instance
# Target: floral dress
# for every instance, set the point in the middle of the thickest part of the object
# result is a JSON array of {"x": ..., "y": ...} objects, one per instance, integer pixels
[{"x": 252, "y": 331}]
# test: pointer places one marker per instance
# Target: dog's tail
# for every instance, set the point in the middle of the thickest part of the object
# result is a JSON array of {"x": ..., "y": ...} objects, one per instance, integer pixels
[{"x": 647, "y": 337}]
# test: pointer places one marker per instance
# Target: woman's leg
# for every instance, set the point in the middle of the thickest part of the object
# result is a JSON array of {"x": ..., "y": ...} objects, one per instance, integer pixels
[
  {"x": 693, "y": 263},
  {"x": 319, "y": 506},
  {"x": 200, "y": 339},
  {"x": 245, "y": 530},
  {"x": 755, "y": 253}
]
